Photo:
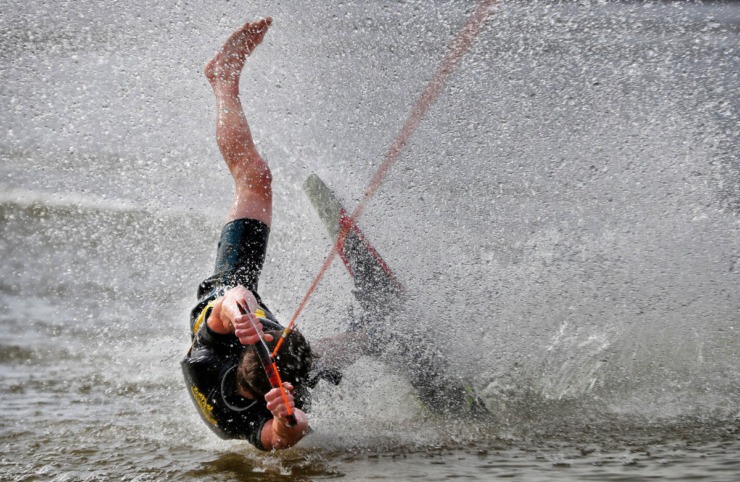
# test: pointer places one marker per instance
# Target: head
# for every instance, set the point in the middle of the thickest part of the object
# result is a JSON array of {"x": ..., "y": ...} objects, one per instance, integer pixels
[{"x": 294, "y": 361}]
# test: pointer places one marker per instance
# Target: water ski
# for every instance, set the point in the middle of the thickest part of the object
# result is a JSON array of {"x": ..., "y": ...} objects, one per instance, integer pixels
[{"x": 381, "y": 295}]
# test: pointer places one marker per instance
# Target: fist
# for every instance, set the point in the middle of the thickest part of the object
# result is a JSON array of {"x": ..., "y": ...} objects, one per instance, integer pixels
[
  {"x": 245, "y": 326},
  {"x": 276, "y": 403},
  {"x": 249, "y": 329}
]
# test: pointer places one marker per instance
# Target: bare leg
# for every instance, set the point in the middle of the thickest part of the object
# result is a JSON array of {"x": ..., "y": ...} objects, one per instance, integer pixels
[{"x": 252, "y": 178}]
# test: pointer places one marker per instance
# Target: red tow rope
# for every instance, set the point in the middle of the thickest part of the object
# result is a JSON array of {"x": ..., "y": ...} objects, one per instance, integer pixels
[{"x": 455, "y": 53}]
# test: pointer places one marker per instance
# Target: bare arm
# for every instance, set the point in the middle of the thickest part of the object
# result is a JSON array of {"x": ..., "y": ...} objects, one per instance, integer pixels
[{"x": 276, "y": 434}]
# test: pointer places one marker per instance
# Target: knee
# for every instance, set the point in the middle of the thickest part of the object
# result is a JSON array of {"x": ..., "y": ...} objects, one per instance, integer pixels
[
  {"x": 266, "y": 175},
  {"x": 255, "y": 176}
]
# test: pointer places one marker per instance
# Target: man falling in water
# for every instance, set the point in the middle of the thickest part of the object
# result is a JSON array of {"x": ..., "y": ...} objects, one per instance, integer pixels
[{"x": 225, "y": 377}]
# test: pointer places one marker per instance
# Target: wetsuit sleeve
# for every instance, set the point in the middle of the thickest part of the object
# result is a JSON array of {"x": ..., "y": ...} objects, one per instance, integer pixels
[
  {"x": 202, "y": 317},
  {"x": 223, "y": 344},
  {"x": 203, "y": 308}
]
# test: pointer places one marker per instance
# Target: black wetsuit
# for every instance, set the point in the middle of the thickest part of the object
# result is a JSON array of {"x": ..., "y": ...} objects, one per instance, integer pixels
[{"x": 210, "y": 365}]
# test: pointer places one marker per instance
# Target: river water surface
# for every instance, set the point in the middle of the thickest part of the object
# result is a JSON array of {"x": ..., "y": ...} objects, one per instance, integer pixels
[{"x": 565, "y": 221}]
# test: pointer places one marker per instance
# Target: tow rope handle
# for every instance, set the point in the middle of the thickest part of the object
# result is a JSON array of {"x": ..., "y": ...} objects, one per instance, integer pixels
[{"x": 270, "y": 368}]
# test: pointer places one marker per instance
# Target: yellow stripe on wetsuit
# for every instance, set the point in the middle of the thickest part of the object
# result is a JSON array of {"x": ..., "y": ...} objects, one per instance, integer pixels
[
  {"x": 202, "y": 316},
  {"x": 206, "y": 409}
]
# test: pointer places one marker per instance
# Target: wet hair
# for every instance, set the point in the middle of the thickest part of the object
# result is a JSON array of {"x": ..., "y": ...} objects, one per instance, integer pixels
[{"x": 294, "y": 361}]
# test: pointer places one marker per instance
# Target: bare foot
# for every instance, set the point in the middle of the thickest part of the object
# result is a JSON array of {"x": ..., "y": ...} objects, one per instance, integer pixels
[{"x": 224, "y": 68}]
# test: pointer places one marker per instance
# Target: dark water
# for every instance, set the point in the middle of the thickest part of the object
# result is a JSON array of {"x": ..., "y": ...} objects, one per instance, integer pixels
[{"x": 565, "y": 219}]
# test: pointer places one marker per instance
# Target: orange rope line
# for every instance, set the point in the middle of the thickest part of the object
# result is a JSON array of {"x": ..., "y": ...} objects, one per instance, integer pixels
[
  {"x": 457, "y": 50},
  {"x": 271, "y": 370},
  {"x": 284, "y": 393}
]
